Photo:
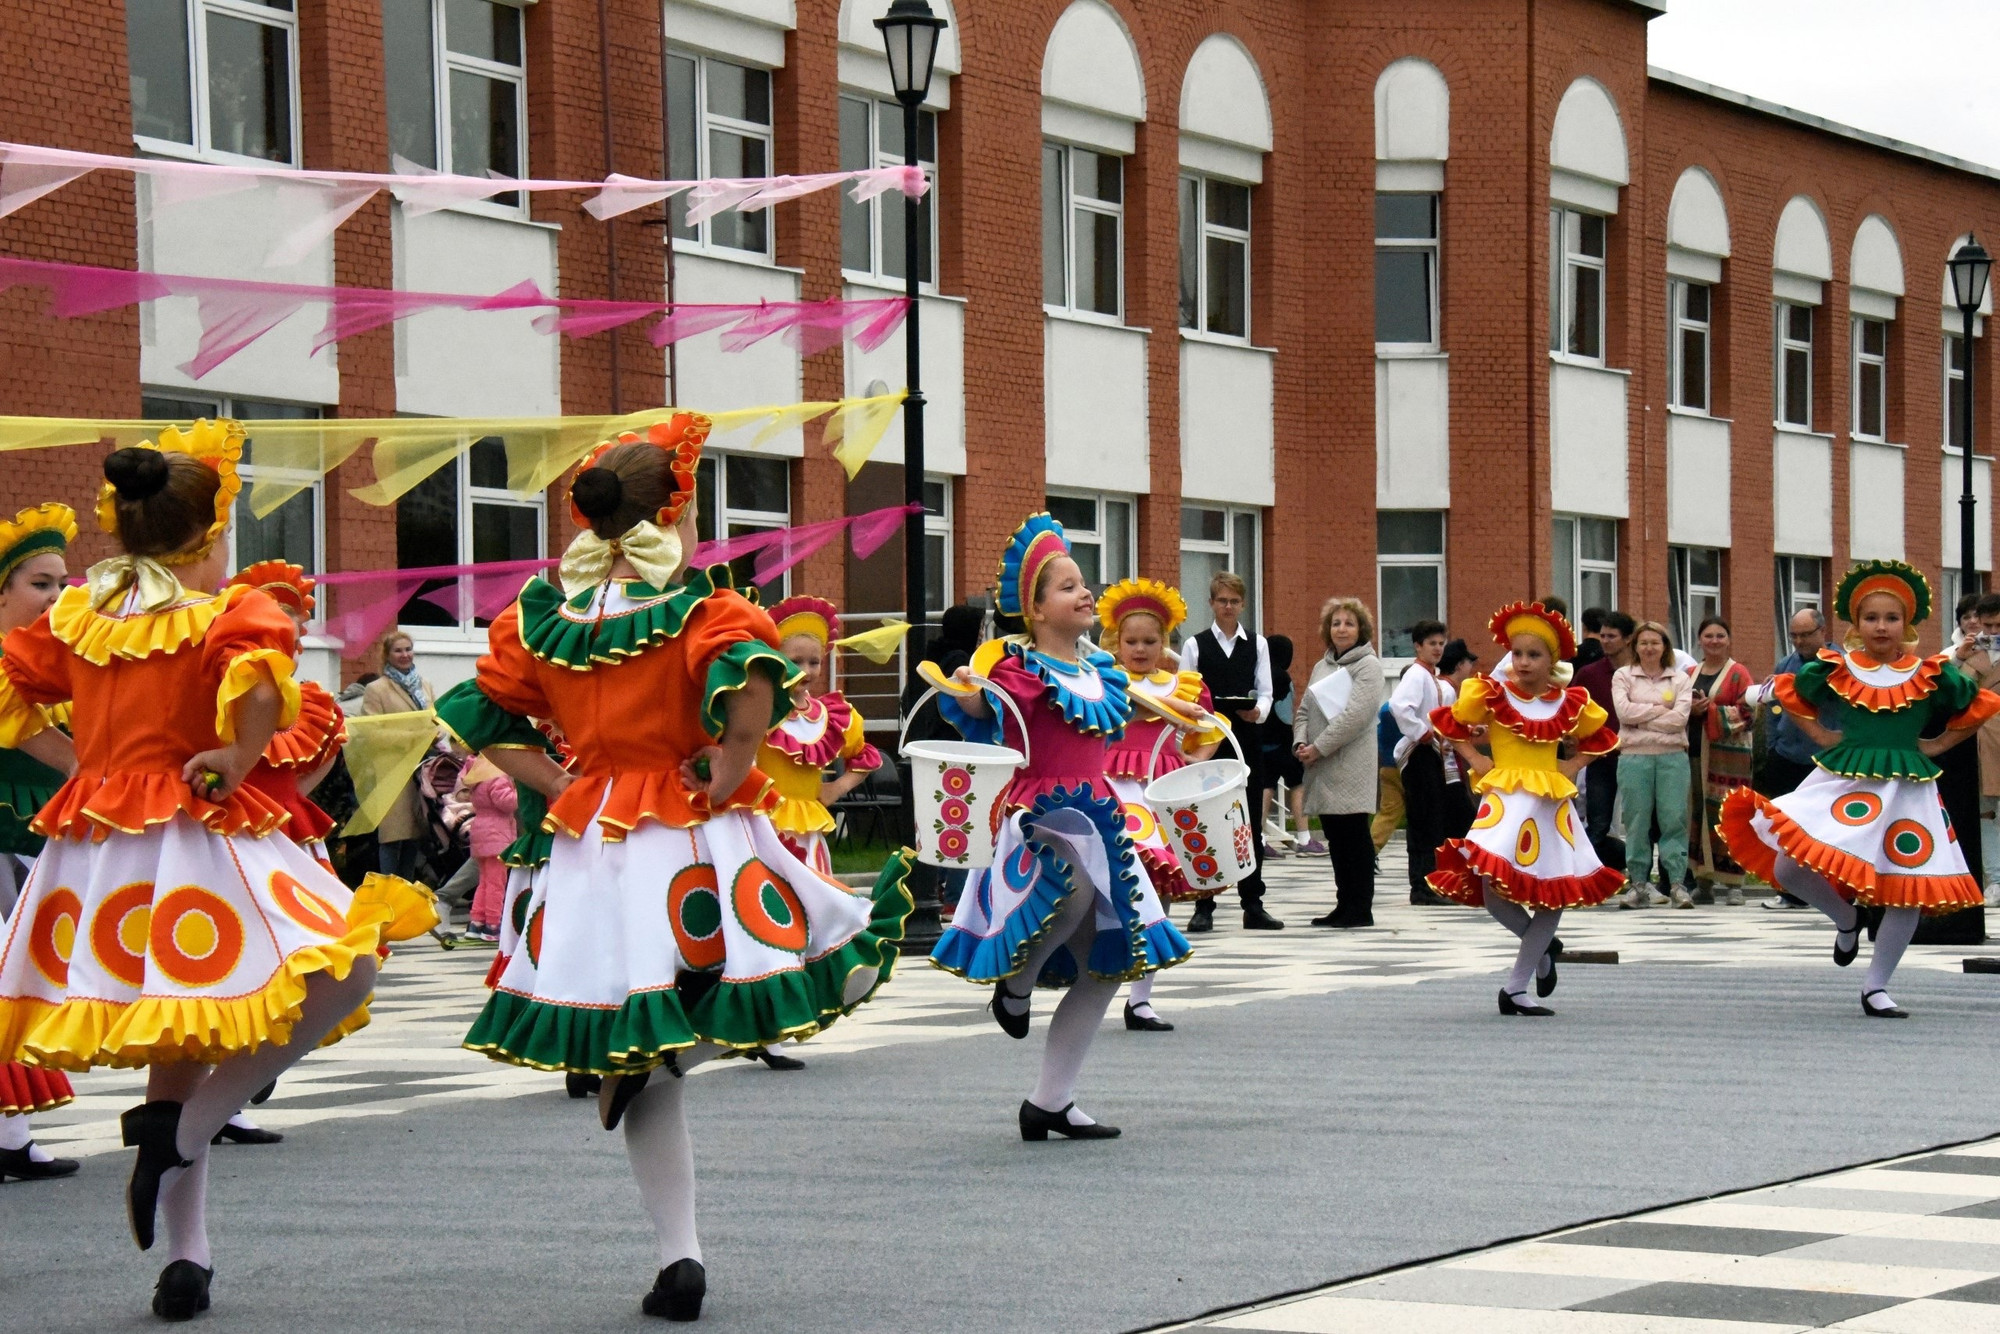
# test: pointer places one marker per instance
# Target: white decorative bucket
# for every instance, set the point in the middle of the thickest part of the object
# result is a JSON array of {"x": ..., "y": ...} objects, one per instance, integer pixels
[
  {"x": 955, "y": 790},
  {"x": 1204, "y": 817}
]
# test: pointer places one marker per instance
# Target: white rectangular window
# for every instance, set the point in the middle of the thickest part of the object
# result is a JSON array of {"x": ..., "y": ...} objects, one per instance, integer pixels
[
  {"x": 872, "y": 243},
  {"x": 1409, "y": 574},
  {"x": 1694, "y": 587},
  {"x": 455, "y": 79},
  {"x": 1215, "y": 256},
  {"x": 1871, "y": 379},
  {"x": 1954, "y": 390},
  {"x": 718, "y": 125},
  {"x": 1689, "y": 346},
  {"x": 463, "y": 514},
  {"x": 1800, "y": 586},
  {"x": 1586, "y": 562},
  {"x": 1576, "y": 283},
  {"x": 293, "y": 531},
  {"x": 1406, "y": 271},
  {"x": 216, "y": 76},
  {"x": 1100, "y": 532},
  {"x": 743, "y": 493},
  {"x": 1795, "y": 369},
  {"x": 1083, "y": 225},
  {"x": 938, "y": 583},
  {"x": 1215, "y": 538}
]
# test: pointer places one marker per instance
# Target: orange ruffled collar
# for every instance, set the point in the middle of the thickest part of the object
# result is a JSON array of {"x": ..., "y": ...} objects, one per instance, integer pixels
[{"x": 1894, "y": 685}]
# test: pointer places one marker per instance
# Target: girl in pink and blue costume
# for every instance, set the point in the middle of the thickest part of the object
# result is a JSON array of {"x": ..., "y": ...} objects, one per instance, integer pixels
[{"x": 1066, "y": 902}]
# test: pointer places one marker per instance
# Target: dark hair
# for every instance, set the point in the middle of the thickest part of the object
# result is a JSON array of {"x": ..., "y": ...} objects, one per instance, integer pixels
[
  {"x": 165, "y": 502},
  {"x": 628, "y": 483},
  {"x": 1968, "y": 602},
  {"x": 1456, "y": 655},
  {"x": 1593, "y": 620},
  {"x": 1707, "y": 621},
  {"x": 1558, "y": 605},
  {"x": 1989, "y": 604},
  {"x": 1619, "y": 621},
  {"x": 1423, "y": 630}
]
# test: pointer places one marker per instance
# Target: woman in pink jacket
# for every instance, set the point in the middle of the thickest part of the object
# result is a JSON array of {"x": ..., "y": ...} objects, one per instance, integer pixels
[
  {"x": 1651, "y": 698},
  {"x": 493, "y": 799}
]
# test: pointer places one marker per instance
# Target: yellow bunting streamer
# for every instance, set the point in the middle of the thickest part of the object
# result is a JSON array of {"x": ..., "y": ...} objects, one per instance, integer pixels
[
  {"x": 382, "y": 751},
  {"x": 877, "y": 645},
  {"x": 858, "y": 426}
]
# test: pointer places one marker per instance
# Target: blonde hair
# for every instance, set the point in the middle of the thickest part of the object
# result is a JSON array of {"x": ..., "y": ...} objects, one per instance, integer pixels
[
  {"x": 1107, "y": 639},
  {"x": 1353, "y": 606},
  {"x": 1666, "y": 638},
  {"x": 389, "y": 637},
  {"x": 1223, "y": 579}
]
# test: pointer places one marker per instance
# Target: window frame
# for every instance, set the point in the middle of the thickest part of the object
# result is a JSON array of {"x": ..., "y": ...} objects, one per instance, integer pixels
[
  {"x": 1096, "y": 536},
  {"x": 1683, "y": 592},
  {"x": 938, "y": 523},
  {"x": 467, "y": 497},
  {"x": 1787, "y": 345},
  {"x": 706, "y": 124},
  {"x": 1954, "y": 401},
  {"x": 1681, "y": 325},
  {"x": 1251, "y": 571},
  {"x": 727, "y": 520},
  {"x": 1071, "y": 203},
  {"x": 1385, "y": 560},
  {"x": 1433, "y": 250},
  {"x": 878, "y": 157},
  {"x": 1580, "y": 565},
  {"x": 1788, "y": 599},
  {"x": 1205, "y": 231},
  {"x": 200, "y": 117},
  {"x": 1566, "y": 256},
  {"x": 444, "y": 61},
  {"x": 1860, "y": 363}
]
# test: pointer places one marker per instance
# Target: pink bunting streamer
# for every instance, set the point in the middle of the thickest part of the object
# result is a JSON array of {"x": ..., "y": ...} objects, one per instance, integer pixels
[
  {"x": 235, "y": 312},
  {"x": 370, "y": 601}
]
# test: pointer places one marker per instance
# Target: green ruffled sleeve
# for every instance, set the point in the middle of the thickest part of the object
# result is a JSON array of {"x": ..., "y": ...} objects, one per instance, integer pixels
[
  {"x": 531, "y": 843},
  {"x": 1955, "y": 690},
  {"x": 730, "y": 670},
  {"x": 478, "y": 722},
  {"x": 1810, "y": 681}
]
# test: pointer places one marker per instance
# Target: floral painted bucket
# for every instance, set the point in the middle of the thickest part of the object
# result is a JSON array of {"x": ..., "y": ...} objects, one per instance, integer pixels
[
  {"x": 1204, "y": 817},
  {"x": 955, "y": 791}
]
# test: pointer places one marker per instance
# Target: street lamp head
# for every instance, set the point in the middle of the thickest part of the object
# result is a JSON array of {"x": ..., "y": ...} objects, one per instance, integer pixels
[
  {"x": 1970, "y": 268},
  {"x": 910, "y": 32}
]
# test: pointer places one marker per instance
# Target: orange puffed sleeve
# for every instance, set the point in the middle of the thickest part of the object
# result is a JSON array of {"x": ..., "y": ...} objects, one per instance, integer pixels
[
  {"x": 250, "y": 640},
  {"x": 727, "y": 638},
  {"x": 34, "y": 670},
  {"x": 507, "y": 674}
]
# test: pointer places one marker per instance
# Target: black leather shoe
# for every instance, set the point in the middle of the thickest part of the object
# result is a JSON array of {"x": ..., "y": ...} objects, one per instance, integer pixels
[
  {"x": 246, "y": 1135},
  {"x": 1256, "y": 919},
  {"x": 150, "y": 1128},
  {"x": 1203, "y": 919},
  {"x": 1881, "y": 1011},
  {"x": 182, "y": 1291},
  {"x": 263, "y": 1095},
  {"x": 17, "y": 1164},
  {"x": 616, "y": 1095},
  {"x": 1427, "y": 898},
  {"x": 579, "y": 1085},
  {"x": 1013, "y": 1025},
  {"x": 1036, "y": 1124},
  {"x": 772, "y": 1060},
  {"x": 1143, "y": 1023},
  {"x": 678, "y": 1291},
  {"x": 1844, "y": 957},
  {"x": 1545, "y": 983},
  {"x": 1508, "y": 1005}
]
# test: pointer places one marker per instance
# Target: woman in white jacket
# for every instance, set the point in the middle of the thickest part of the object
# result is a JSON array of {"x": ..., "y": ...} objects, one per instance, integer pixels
[
  {"x": 1333, "y": 734},
  {"x": 1652, "y": 700}
]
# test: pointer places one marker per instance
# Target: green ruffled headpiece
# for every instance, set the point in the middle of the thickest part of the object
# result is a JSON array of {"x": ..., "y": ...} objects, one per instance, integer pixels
[{"x": 1903, "y": 582}]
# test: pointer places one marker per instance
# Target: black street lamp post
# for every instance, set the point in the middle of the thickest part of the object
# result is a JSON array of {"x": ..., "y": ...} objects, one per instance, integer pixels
[
  {"x": 1970, "y": 268},
  {"x": 910, "y": 34}
]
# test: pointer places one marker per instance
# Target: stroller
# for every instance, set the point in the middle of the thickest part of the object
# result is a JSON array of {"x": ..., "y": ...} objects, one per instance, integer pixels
[{"x": 447, "y": 829}]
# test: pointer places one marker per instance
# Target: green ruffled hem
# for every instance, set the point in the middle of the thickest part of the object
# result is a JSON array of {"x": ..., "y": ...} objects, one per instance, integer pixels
[
  {"x": 1877, "y": 763},
  {"x": 651, "y": 1026},
  {"x": 478, "y": 722},
  {"x": 572, "y": 642},
  {"x": 731, "y": 671}
]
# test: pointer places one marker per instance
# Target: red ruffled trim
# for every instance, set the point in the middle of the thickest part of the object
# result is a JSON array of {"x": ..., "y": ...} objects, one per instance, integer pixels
[
  {"x": 29, "y": 1088},
  {"x": 96, "y": 808},
  {"x": 1446, "y": 724},
  {"x": 648, "y": 795},
  {"x": 1169, "y": 882},
  {"x": 1984, "y": 705},
  {"x": 1881, "y": 699},
  {"x": 1461, "y": 864},
  {"x": 864, "y": 761},
  {"x": 1022, "y": 792},
  {"x": 1129, "y": 756},
  {"x": 321, "y": 729},
  {"x": 825, "y": 751},
  {"x": 305, "y": 821},
  {"x": 1500, "y": 701},
  {"x": 1853, "y": 879}
]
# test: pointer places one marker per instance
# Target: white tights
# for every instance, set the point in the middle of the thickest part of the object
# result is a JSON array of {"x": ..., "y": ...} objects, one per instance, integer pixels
[
  {"x": 662, "y": 1156},
  {"x": 1141, "y": 996},
  {"x": 210, "y": 1095},
  {"x": 1892, "y": 937},
  {"x": 1080, "y": 1012},
  {"x": 1535, "y": 931}
]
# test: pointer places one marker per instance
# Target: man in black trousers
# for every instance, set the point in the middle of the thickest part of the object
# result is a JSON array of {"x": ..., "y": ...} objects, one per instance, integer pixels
[{"x": 1235, "y": 665}]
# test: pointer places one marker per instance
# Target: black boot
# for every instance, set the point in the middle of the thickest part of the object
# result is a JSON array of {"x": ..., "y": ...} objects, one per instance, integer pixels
[
  {"x": 616, "y": 1095},
  {"x": 1203, "y": 919},
  {"x": 678, "y": 1291},
  {"x": 182, "y": 1290},
  {"x": 580, "y": 1085},
  {"x": 1256, "y": 919},
  {"x": 150, "y": 1128}
]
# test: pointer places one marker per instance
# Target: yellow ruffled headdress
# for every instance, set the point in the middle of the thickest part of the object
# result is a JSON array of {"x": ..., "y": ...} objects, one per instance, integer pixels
[
  {"x": 219, "y": 444},
  {"x": 40, "y": 530},
  {"x": 1162, "y": 602}
]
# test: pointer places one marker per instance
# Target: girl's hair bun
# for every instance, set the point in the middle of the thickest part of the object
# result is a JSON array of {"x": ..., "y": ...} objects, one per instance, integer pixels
[
  {"x": 137, "y": 474},
  {"x": 597, "y": 493}
]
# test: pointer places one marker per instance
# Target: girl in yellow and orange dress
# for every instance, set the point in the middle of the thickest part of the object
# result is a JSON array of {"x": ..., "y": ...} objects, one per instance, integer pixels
[
  {"x": 218, "y": 954},
  {"x": 1526, "y": 857},
  {"x": 1138, "y": 616},
  {"x": 822, "y": 730},
  {"x": 31, "y": 575}
]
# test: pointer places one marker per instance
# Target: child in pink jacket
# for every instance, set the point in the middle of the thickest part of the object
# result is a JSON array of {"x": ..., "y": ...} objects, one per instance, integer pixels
[{"x": 493, "y": 797}]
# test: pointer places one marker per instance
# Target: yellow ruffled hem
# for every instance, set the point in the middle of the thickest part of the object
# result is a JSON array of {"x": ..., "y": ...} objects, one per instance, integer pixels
[
  {"x": 245, "y": 670},
  {"x": 19, "y": 719},
  {"x": 797, "y": 815},
  {"x": 78, "y": 1035},
  {"x": 1548, "y": 783},
  {"x": 412, "y": 907},
  {"x": 97, "y": 638}
]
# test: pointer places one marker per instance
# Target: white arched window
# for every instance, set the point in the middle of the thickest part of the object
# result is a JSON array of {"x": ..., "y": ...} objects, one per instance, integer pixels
[
  {"x": 1093, "y": 97},
  {"x": 1225, "y": 132},
  {"x": 1697, "y": 243},
  {"x": 1801, "y": 266},
  {"x": 1587, "y": 168},
  {"x": 872, "y": 244},
  {"x": 1875, "y": 284},
  {"x": 1412, "y": 142}
]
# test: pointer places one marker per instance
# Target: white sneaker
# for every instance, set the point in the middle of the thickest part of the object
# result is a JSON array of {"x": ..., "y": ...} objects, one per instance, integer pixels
[
  {"x": 1735, "y": 898},
  {"x": 1682, "y": 899},
  {"x": 1655, "y": 899},
  {"x": 1627, "y": 899}
]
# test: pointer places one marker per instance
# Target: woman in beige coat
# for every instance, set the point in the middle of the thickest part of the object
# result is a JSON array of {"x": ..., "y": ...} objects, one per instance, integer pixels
[
  {"x": 399, "y": 690},
  {"x": 1333, "y": 734}
]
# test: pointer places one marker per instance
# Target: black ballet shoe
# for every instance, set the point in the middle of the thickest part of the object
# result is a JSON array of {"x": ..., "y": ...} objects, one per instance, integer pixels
[
  {"x": 17, "y": 1164},
  {"x": 1508, "y": 1005},
  {"x": 617, "y": 1094},
  {"x": 1145, "y": 1023},
  {"x": 678, "y": 1291},
  {"x": 150, "y": 1128},
  {"x": 263, "y": 1095},
  {"x": 1884, "y": 1011},
  {"x": 1545, "y": 983},
  {"x": 1844, "y": 957},
  {"x": 1036, "y": 1124},
  {"x": 580, "y": 1085},
  {"x": 1013, "y": 1025},
  {"x": 246, "y": 1135},
  {"x": 773, "y": 1061},
  {"x": 182, "y": 1291},
  {"x": 1203, "y": 919}
]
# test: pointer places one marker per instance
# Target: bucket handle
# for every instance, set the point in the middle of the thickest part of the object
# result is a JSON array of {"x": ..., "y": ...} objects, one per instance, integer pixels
[
  {"x": 983, "y": 684},
  {"x": 1209, "y": 723}
]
